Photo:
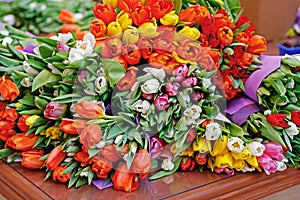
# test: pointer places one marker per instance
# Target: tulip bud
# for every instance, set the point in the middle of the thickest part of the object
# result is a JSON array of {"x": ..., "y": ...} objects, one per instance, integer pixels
[
  {"x": 114, "y": 29},
  {"x": 30, "y": 120},
  {"x": 123, "y": 18},
  {"x": 170, "y": 19}
]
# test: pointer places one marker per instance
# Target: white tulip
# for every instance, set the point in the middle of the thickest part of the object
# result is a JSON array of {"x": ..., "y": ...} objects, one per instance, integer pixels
[
  {"x": 157, "y": 73},
  {"x": 151, "y": 86},
  {"x": 7, "y": 40},
  {"x": 167, "y": 165},
  {"x": 292, "y": 130},
  {"x": 256, "y": 148},
  {"x": 213, "y": 131},
  {"x": 192, "y": 114},
  {"x": 235, "y": 144}
]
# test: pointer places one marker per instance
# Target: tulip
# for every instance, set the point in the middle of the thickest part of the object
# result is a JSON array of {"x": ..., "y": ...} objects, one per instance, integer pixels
[
  {"x": 90, "y": 135},
  {"x": 122, "y": 61},
  {"x": 132, "y": 54},
  {"x": 101, "y": 167},
  {"x": 32, "y": 160},
  {"x": 127, "y": 81},
  {"x": 192, "y": 115},
  {"x": 163, "y": 60},
  {"x": 257, "y": 44},
  {"x": 244, "y": 155},
  {"x": 162, "y": 102},
  {"x": 235, "y": 144},
  {"x": 128, "y": 5},
  {"x": 59, "y": 176},
  {"x": 269, "y": 165},
  {"x": 256, "y": 148},
  {"x": 6, "y": 133},
  {"x": 295, "y": 117},
  {"x": 224, "y": 160},
  {"x": 21, "y": 142},
  {"x": 170, "y": 19},
  {"x": 278, "y": 119},
  {"x": 89, "y": 110},
  {"x": 72, "y": 126},
  {"x": 22, "y": 123},
  {"x": 197, "y": 95},
  {"x": 252, "y": 161},
  {"x": 172, "y": 89},
  {"x": 110, "y": 153},
  {"x": 160, "y": 7},
  {"x": 220, "y": 146},
  {"x": 142, "y": 163},
  {"x": 3, "y": 105},
  {"x": 156, "y": 145},
  {"x": 8, "y": 89},
  {"x": 112, "y": 48},
  {"x": 190, "y": 82},
  {"x": 123, "y": 18},
  {"x": 140, "y": 15},
  {"x": 53, "y": 132},
  {"x": 31, "y": 120},
  {"x": 105, "y": 12},
  {"x": 225, "y": 35},
  {"x": 124, "y": 180},
  {"x": 10, "y": 114},
  {"x": 151, "y": 86},
  {"x": 83, "y": 158},
  {"x": 274, "y": 150},
  {"x": 187, "y": 164},
  {"x": 292, "y": 130},
  {"x": 213, "y": 131},
  {"x": 54, "y": 110},
  {"x": 114, "y": 29},
  {"x": 98, "y": 28},
  {"x": 131, "y": 36},
  {"x": 66, "y": 28},
  {"x": 203, "y": 145},
  {"x": 148, "y": 29},
  {"x": 62, "y": 47},
  {"x": 66, "y": 16},
  {"x": 55, "y": 157},
  {"x": 145, "y": 46},
  {"x": 201, "y": 159},
  {"x": 181, "y": 72},
  {"x": 190, "y": 51},
  {"x": 113, "y": 3},
  {"x": 193, "y": 33},
  {"x": 194, "y": 14}
]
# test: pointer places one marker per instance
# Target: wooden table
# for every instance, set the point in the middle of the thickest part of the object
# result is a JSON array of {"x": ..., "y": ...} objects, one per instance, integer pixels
[{"x": 17, "y": 182}]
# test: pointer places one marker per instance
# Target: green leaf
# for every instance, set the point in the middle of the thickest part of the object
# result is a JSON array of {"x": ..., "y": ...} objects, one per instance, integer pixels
[
  {"x": 80, "y": 182},
  {"x": 236, "y": 130},
  {"x": 46, "y": 51},
  {"x": 114, "y": 132},
  {"x": 31, "y": 112},
  {"x": 41, "y": 103},
  {"x": 66, "y": 96},
  {"x": 43, "y": 78},
  {"x": 70, "y": 168},
  {"x": 8, "y": 62},
  {"x": 72, "y": 180},
  {"x": 48, "y": 41},
  {"x": 113, "y": 70},
  {"x": 167, "y": 173},
  {"x": 16, "y": 52},
  {"x": 36, "y": 64},
  {"x": 6, "y": 152},
  {"x": 177, "y": 5}
]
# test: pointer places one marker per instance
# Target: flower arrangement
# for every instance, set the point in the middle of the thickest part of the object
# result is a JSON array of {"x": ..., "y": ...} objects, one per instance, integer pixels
[{"x": 140, "y": 96}]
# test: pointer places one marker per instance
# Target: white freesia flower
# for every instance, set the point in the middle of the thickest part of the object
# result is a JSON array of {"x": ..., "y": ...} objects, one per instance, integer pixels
[
  {"x": 133, "y": 147},
  {"x": 167, "y": 165},
  {"x": 213, "y": 131},
  {"x": 151, "y": 86},
  {"x": 78, "y": 16},
  {"x": 170, "y": 133},
  {"x": 157, "y": 73},
  {"x": 7, "y": 40},
  {"x": 267, "y": 112},
  {"x": 67, "y": 160},
  {"x": 235, "y": 144},
  {"x": 141, "y": 106},
  {"x": 32, "y": 5},
  {"x": 9, "y": 19},
  {"x": 292, "y": 130},
  {"x": 43, "y": 7},
  {"x": 84, "y": 174},
  {"x": 100, "y": 144},
  {"x": 36, "y": 51},
  {"x": 118, "y": 139},
  {"x": 206, "y": 82},
  {"x": 62, "y": 37},
  {"x": 281, "y": 166},
  {"x": 76, "y": 54},
  {"x": 192, "y": 114},
  {"x": 256, "y": 148},
  {"x": 248, "y": 169},
  {"x": 100, "y": 83},
  {"x": 28, "y": 69}
]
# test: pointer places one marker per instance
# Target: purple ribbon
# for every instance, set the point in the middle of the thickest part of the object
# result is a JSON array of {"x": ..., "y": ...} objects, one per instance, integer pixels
[
  {"x": 269, "y": 64},
  {"x": 29, "y": 49},
  {"x": 99, "y": 183},
  {"x": 30, "y": 34}
]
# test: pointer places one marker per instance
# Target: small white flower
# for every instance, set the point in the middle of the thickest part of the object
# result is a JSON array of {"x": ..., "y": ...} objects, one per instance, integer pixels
[
  {"x": 100, "y": 83},
  {"x": 125, "y": 157},
  {"x": 213, "y": 131},
  {"x": 206, "y": 82},
  {"x": 133, "y": 147},
  {"x": 4, "y": 33},
  {"x": 192, "y": 114},
  {"x": 9, "y": 19},
  {"x": 71, "y": 154},
  {"x": 32, "y": 5},
  {"x": 76, "y": 54},
  {"x": 67, "y": 160},
  {"x": 29, "y": 70},
  {"x": 151, "y": 86},
  {"x": 167, "y": 165},
  {"x": 235, "y": 144},
  {"x": 36, "y": 50},
  {"x": 43, "y": 7},
  {"x": 25, "y": 82},
  {"x": 48, "y": 19},
  {"x": 54, "y": 70},
  {"x": 256, "y": 148},
  {"x": 88, "y": 43},
  {"x": 141, "y": 106},
  {"x": 78, "y": 16},
  {"x": 248, "y": 169},
  {"x": 267, "y": 112},
  {"x": 118, "y": 139},
  {"x": 7, "y": 40},
  {"x": 100, "y": 144},
  {"x": 290, "y": 84},
  {"x": 11, "y": 158},
  {"x": 281, "y": 166},
  {"x": 292, "y": 130},
  {"x": 170, "y": 134},
  {"x": 157, "y": 73},
  {"x": 84, "y": 174}
]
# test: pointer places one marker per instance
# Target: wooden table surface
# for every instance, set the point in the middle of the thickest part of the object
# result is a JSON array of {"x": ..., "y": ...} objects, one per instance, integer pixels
[{"x": 17, "y": 182}]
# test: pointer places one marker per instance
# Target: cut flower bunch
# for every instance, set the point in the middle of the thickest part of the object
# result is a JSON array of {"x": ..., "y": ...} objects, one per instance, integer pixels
[{"x": 140, "y": 96}]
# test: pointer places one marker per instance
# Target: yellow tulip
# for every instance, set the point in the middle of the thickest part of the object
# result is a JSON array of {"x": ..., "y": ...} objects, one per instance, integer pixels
[
  {"x": 224, "y": 160},
  {"x": 53, "y": 132},
  {"x": 114, "y": 29},
  {"x": 188, "y": 152},
  {"x": 149, "y": 29},
  {"x": 124, "y": 20},
  {"x": 252, "y": 161},
  {"x": 220, "y": 146},
  {"x": 244, "y": 155},
  {"x": 238, "y": 164},
  {"x": 203, "y": 145},
  {"x": 18, "y": 104},
  {"x": 131, "y": 35},
  {"x": 170, "y": 19},
  {"x": 192, "y": 33},
  {"x": 113, "y": 3},
  {"x": 30, "y": 120}
]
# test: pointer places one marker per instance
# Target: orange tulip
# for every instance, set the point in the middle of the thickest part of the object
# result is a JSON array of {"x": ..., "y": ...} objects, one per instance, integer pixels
[
  {"x": 55, "y": 157},
  {"x": 83, "y": 158},
  {"x": 21, "y": 142},
  {"x": 124, "y": 180},
  {"x": 66, "y": 16},
  {"x": 111, "y": 48},
  {"x": 31, "y": 160},
  {"x": 110, "y": 153},
  {"x": 201, "y": 159},
  {"x": 194, "y": 14},
  {"x": 160, "y": 7},
  {"x": 257, "y": 44},
  {"x": 225, "y": 36},
  {"x": 98, "y": 28},
  {"x": 6, "y": 133},
  {"x": 22, "y": 123},
  {"x": 81, "y": 34},
  {"x": 142, "y": 163},
  {"x": 72, "y": 126},
  {"x": 132, "y": 54},
  {"x": 8, "y": 89},
  {"x": 66, "y": 28},
  {"x": 10, "y": 114},
  {"x": 128, "y": 5},
  {"x": 90, "y": 110},
  {"x": 128, "y": 80},
  {"x": 101, "y": 167},
  {"x": 145, "y": 46},
  {"x": 163, "y": 60},
  {"x": 141, "y": 14},
  {"x": 105, "y": 12},
  {"x": 90, "y": 135},
  {"x": 58, "y": 176},
  {"x": 3, "y": 105}
]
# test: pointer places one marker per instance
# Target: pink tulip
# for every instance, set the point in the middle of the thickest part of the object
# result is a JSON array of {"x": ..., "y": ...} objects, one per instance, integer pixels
[
  {"x": 197, "y": 95},
  {"x": 172, "y": 89},
  {"x": 162, "y": 102},
  {"x": 54, "y": 110},
  {"x": 156, "y": 145},
  {"x": 82, "y": 75},
  {"x": 274, "y": 150},
  {"x": 181, "y": 72},
  {"x": 190, "y": 82},
  {"x": 62, "y": 47},
  {"x": 148, "y": 96},
  {"x": 266, "y": 162}
]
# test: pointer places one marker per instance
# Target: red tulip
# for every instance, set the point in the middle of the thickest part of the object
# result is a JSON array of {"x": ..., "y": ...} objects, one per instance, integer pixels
[
  {"x": 160, "y": 7},
  {"x": 295, "y": 117},
  {"x": 21, "y": 123},
  {"x": 110, "y": 153},
  {"x": 142, "y": 163},
  {"x": 6, "y": 133},
  {"x": 105, "y": 12},
  {"x": 257, "y": 44},
  {"x": 90, "y": 110},
  {"x": 101, "y": 167},
  {"x": 21, "y": 142},
  {"x": 124, "y": 180},
  {"x": 128, "y": 80},
  {"x": 72, "y": 126},
  {"x": 90, "y": 135},
  {"x": 66, "y": 16},
  {"x": 66, "y": 28},
  {"x": 189, "y": 164},
  {"x": 55, "y": 157},
  {"x": 58, "y": 176},
  {"x": 31, "y": 160},
  {"x": 83, "y": 158},
  {"x": 132, "y": 54},
  {"x": 278, "y": 119},
  {"x": 128, "y": 5},
  {"x": 141, "y": 14},
  {"x": 201, "y": 159}
]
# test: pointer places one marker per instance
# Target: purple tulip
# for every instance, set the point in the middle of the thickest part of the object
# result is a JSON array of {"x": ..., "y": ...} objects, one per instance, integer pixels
[
  {"x": 149, "y": 97},
  {"x": 162, "y": 102},
  {"x": 62, "y": 47},
  {"x": 197, "y": 95},
  {"x": 54, "y": 110},
  {"x": 190, "y": 82},
  {"x": 266, "y": 162},
  {"x": 181, "y": 72},
  {"x": 156, "y": 145},
  {"x": 274, "y": 150},
  {"x": 172, "y": 89}
]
